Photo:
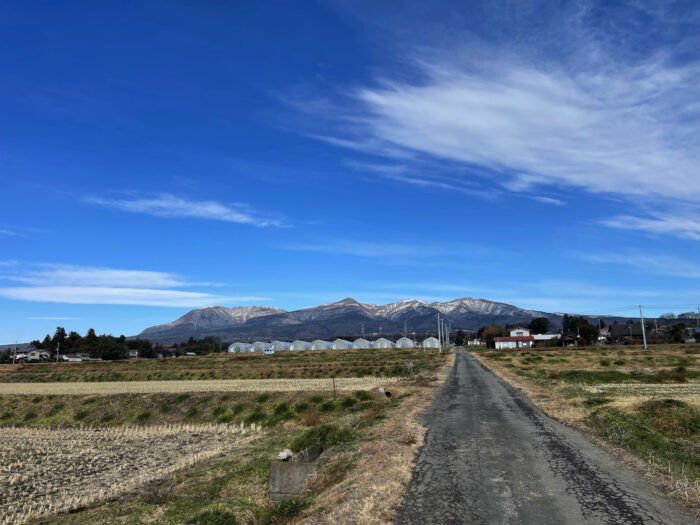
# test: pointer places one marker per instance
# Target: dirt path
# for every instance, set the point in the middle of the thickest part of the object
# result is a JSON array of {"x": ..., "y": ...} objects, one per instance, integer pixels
[{"x": 491, "y": 457}]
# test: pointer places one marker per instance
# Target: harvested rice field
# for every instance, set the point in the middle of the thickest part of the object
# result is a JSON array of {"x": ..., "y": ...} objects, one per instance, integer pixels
[
  {"x": 45, "y": 471},
  {"x": 233, "y": 385},
  {"x": 320, "y": 364}
]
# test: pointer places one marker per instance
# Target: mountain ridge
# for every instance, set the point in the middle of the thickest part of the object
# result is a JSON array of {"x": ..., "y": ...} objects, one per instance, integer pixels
[{"x": 345, "y": 317}]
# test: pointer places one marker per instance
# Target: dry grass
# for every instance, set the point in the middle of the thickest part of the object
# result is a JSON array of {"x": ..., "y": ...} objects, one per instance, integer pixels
[
  {"x": 373, "y": 491},
  {"x": 164, "y": 387},
  {"x": 49, "y": 471}
]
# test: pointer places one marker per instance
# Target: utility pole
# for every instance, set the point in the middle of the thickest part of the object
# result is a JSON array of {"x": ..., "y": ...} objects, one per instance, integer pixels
[
  {"x": 14, "y": 356},
  {"x": 58, "y": 349},
  {"x": 439, "y": 335},
  {"x": 644, "y": 332},
  {"x": 447, "y": 335}
]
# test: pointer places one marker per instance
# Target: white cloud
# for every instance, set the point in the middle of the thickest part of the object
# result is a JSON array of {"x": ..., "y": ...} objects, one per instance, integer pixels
[
  {"x": 55, "y": 283},
  {"x": 119, "y": 296},
  {"x": 624, "y": 132},
  {"x": 659, "y": 264},
  {"x": 599, "y": 99},
  {"x": 376, "y": 250},
  {"x": 8, "y": 232},
  {"x": 53, "y": 318},
  {"x": 68, "y": 275},
  {"x": 170, "y": 206},
  {"x": 680, "y": 226}
]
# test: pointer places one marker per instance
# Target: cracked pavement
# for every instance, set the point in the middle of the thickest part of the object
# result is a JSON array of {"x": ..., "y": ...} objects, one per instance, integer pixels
[{"x": 492, "y": 457}]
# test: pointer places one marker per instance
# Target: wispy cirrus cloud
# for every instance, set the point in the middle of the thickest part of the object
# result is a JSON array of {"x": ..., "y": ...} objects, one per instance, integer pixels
[
  {"x": 53, "y": 318},
  {"x": 591, "y": 104},
  {"x": 661, "y": 264},
  {"x": 43, "y": 274},
  {"x": 377, "y": 250},
  {"x": 171, "y": 206},
  {"x": 70, "y": 284},
  {"x": 665, "y": 224}
]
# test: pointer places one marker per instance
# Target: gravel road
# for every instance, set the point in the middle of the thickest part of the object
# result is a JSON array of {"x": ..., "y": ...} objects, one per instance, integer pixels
[{"x": 490, "y": 457}]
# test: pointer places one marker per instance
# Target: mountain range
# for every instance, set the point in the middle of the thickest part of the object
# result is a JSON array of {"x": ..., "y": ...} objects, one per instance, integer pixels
[{"x": 343, "y": 318}]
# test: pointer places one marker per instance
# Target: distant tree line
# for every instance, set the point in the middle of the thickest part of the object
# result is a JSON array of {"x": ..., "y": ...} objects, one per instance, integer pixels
[{"x": 102, "y": 346}]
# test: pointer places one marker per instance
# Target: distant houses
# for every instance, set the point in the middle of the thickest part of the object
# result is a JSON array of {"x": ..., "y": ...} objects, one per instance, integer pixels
[{"x": 518, "y": 338}]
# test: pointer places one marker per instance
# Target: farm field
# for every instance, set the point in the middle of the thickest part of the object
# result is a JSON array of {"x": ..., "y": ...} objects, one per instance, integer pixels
[
  {"x": 283, "y": 365},
  {"x": 221, "y": 385},
  {"x": 645, "y": 403},
  {"x": 46, "y": 471},
  {"x": 180, "y": 456}
]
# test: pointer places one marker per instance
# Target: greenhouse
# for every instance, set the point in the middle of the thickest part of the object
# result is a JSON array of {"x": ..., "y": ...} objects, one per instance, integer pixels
[
  {"x": 260, "y": 346},
  {"x": 300, "y": 345},
  {"x": 383, "y": 343},
  {"x": 341, "y": 344},
  {"x": 319, "y": 344},
  {"x": 279, "y": 346},
  {"x": 362, "y": 343},
  {"x": 431, "y": 342},
  {"x": 240, "y": 347},
  {"x": 405, "y": 342}
]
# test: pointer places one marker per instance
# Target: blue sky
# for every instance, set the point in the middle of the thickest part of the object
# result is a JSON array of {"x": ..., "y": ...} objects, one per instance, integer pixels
[{"x": 160, "y": 157}]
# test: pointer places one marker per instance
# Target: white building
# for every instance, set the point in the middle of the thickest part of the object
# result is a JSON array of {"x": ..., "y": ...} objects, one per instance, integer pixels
[
  {"x": 544, "y": 337},
  {"x": 362, "y": 343},
  {"x": 519, "y": 332},
  {"x": 431, "y": 342},
  {"x": 260, "y": 346},
  {"x": 383, "y": 343},
  {"x": 514, "y": 341},
  {"x": 319, "y": 344},
  {"x": 300, "y": 345},
  {"x": 341, "y": 344},
  {"x": 405, "y": 342}
]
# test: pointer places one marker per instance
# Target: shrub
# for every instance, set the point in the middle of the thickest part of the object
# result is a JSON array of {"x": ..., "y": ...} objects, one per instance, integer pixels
[
  {"x": 143, "y": 416},
  {"x": 80, "y": 415},
  {"x": 363, "y": 395},
  {"x": 596, "y": 401},
  {"x": 301, "y": 407},
  {"x": 327, "y": 406},
  {"x": 262, "y": 398},
  {"x": 316, "y": 399},
  {"x": 107, "y": 418},
  {"x": 281, "y": 409},
  {"x": 283, "y": 511},
  {"x": 214, "y": 517},
  {"x": 256, "y": 417},
  {"x": 182, "y": 398},
  {"x": 605, "y": 362},
  {"x": 29, "y": 415},
  {"x": 326, "y": 435},
  {"x": 37, "y": 399},
  {"x": 348, "y": 402}
]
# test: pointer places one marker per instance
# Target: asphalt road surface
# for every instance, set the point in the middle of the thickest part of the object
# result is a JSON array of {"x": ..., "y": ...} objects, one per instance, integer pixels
[{"x": 490, "y": 456}]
